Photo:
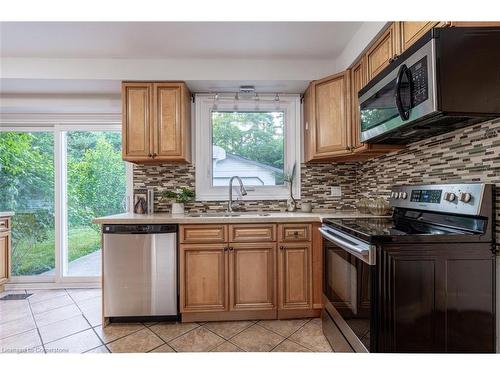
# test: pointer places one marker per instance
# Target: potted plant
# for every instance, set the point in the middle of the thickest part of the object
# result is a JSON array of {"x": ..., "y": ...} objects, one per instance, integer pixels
[{"x": 179, "y": 197}]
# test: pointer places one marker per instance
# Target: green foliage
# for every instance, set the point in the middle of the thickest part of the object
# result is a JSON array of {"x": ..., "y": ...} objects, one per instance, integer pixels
[
  {"x": 96, "y": 187},
  {"x": 182, "y": 195},
  {"x": 254, "y": 135}
]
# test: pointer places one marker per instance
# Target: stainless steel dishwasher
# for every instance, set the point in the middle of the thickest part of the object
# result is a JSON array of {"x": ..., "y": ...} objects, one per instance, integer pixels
[{"x": 140, "y": 271}]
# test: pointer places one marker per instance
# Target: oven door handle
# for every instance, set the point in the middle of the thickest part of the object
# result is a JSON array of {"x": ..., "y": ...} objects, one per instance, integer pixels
[{"x": 362, "y": 253}]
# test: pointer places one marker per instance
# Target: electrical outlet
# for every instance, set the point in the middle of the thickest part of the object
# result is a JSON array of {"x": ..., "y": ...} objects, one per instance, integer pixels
[{"x": 335, "y": 191}]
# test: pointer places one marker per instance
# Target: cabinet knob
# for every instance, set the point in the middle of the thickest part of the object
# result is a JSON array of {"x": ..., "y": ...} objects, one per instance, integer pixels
[
  {"x": 231, "y": 248},
  {"x": 282, "y": 247},
  {"x": 150, "y": 155},
  {"x": 155, "y": 155},
  {"x": 295, "y": 233}
]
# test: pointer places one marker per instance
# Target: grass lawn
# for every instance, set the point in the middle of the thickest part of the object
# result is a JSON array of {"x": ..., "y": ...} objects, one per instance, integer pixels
[{"x": 40, "y": 257}]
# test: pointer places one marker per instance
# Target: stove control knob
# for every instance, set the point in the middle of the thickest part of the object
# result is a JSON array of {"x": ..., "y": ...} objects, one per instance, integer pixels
[
  {"x": 394, "y": 194},
  {"x": 465, "y": 197},
  {"x": 403, "y": 195},
  {"x": 450, "y": 197}
]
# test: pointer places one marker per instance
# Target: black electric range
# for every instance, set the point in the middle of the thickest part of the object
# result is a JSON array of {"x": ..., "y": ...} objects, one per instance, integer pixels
[{"x": 414, "y": 282}]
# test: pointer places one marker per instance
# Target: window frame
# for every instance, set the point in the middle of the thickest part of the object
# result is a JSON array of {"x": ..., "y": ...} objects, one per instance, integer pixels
[{"x": 204, "y": 105}]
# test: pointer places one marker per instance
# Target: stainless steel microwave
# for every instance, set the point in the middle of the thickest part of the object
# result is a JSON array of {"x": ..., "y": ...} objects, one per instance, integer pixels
[{"x": 448, "y": 79}]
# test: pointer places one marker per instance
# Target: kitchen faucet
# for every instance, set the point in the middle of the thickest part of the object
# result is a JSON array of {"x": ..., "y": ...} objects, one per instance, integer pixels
[{"x": 242, "y": 192}]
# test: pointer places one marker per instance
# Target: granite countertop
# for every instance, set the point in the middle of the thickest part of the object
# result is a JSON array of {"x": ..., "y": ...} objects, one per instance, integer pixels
[
  {"x": 246, "y": 217},
  {"x": 6, "y": 213}
]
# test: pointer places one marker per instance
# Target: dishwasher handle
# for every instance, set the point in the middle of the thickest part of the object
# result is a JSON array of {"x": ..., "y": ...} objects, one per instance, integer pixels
[{"x": 139, "y": 228}]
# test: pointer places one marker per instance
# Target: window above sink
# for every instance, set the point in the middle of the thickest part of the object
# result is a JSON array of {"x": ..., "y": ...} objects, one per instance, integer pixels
[{"x": 256, "y": 138}]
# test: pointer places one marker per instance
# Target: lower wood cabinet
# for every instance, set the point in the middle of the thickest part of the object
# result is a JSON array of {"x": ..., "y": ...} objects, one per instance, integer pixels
[
  {"x": 252, "y": 279},
  {"x": 203, "y": 277},
  {"x": 4, "y": 251},
  {"x": 252, "y": 276},
  {"x": 294, "y": 270}
]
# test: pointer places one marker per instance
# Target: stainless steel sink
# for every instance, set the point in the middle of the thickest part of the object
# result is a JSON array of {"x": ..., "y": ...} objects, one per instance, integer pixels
[{"x": 228, "y": 214}]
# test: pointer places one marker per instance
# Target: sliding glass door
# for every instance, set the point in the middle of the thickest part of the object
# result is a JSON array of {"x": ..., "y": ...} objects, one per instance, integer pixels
[
  {"x": 57, "y": 180},
  {"x": 95, "y": 186},
  {"x": 27, "y": 187}
]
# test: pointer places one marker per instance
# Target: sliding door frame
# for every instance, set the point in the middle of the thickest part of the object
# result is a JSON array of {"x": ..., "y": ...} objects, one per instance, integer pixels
[{"x": 59, "y": 130}]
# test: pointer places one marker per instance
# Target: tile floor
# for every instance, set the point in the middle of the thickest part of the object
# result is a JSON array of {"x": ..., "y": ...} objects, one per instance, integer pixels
[{"x": 69, "y": 321}]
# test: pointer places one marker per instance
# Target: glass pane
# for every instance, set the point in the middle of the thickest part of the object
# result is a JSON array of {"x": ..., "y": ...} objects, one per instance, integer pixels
[
  {"x": 96, "y": 186},
  {"x": 380, "y": 108},
  {"x": 249, "y": 145},
  {"x": 27, "y": 188}
]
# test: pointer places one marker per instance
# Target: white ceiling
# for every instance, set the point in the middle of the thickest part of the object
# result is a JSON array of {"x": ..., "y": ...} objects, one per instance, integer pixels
[{"x": 157, "y": 40}]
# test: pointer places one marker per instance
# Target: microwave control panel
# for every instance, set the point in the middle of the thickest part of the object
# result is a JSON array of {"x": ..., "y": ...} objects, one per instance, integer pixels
[{"x": 419, "y": 75}]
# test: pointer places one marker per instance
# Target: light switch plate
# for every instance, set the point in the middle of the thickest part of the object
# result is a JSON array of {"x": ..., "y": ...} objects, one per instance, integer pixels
[{"x": 335, "y": 191}]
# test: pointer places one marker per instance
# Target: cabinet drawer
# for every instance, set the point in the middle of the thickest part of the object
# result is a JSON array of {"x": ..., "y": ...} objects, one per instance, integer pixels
[
  {"x": 4, "y": 224},
  {"x": 295, "y": 232},
  {"x": 202, "y": 233},
  {"x": 252, "y": 232}
]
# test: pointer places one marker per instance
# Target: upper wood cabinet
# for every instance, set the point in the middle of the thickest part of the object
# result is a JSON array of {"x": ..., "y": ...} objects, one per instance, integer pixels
[
  {"x": 156, "y": 122},
  {"x": 411, "y": 31},
  {"x": 327, "y": 117},
  {"x": 380, "y": 54}
]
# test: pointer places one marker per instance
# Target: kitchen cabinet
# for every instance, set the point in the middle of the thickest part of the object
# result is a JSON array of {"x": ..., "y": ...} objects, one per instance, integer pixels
[
  {"x": 327, "y": 121},
  {"x": 411, "y": 31},
  {"x": 430, "y": 299},
  {"x": 203, "y": 277},
  {"x": 235, "y": 271},
  {"x": 156, "y": 122},
  {"x": 252, "y": 276},
  {"x": 5, "y": 243},
  {"x": 472, "y": 24},
  {"x": 382, "y": 51},
  {"x": 294, "y": 273}
]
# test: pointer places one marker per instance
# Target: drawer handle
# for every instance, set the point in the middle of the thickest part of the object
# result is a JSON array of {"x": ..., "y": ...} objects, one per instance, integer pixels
[{"x": 295, "y": 233}]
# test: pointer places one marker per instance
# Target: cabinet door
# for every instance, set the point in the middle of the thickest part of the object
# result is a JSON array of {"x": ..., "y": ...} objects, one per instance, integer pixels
[
  {"x": 203, "y": 277},
  {"x": 473, "y": 24},
  {"x": 383, "y": 50},
  {"x": 136, "y": 121},
  {"x": 331, "y": 116},
  {"x": 170, "y": 130},
  {"x": 4, "y": 256},
  {"x": 309, "y": 123},
  {"x": 411, "y": 31},
  {"x": 252, "y": 282},
  {"x": 358, "y": 81},
  {"x": 294, "y": 274}
]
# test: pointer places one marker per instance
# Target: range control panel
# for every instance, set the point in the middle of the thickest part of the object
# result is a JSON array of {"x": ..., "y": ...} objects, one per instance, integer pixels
[{"x": 462, "y": 199}]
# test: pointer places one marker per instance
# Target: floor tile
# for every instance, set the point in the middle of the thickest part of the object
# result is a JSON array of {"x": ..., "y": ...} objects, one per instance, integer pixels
[
  {"x": 57, "y": 315},
  {"x": 165, "y": 348},
  {"x": 228, "y": 329},
  {"x": 197, "y": 340},
  {"x": 139, "y": 342},
  {"x": 14, "y": 310},
  {"x": 50, "y": 304},
  {"x": 20, "y": 342},
  {"x": 116, "y": 331},
  {"x": 283, "y": 327},
  {"x": 290, "y": 346},
  {"x": 311, "y": 336},
  {"x": 257, "y": 339},
  {"x": 227, "y": 347},
  {"x": 79, "y": 295},
  {"x": 63, "y": 328},
  {"x": 99, "y": 349},
  {"x": 40, "y": 295},
  {"x": 77, "y": 343},
  {"x": 171, "y": 330},
  {"x": 92, "y": 309},
  {"x": 14, "y": 327}
]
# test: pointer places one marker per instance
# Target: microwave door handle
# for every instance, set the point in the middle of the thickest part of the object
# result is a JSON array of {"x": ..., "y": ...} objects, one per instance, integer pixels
[{"x": 403, "y": 70}]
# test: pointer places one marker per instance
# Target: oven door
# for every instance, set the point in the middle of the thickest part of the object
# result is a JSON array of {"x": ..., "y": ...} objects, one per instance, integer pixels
[
  {"x": 401, "y": 96},
  {"x": 347, "y": 288}
]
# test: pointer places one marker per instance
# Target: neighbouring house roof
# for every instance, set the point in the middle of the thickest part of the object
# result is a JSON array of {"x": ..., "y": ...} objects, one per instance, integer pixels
[{"x": 219, "y": 154}]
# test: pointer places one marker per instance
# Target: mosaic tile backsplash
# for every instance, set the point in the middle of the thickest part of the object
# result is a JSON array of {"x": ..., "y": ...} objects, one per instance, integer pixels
[
  {"x": 315, "y": 187},
  {"x": 465, "y": 155}
]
